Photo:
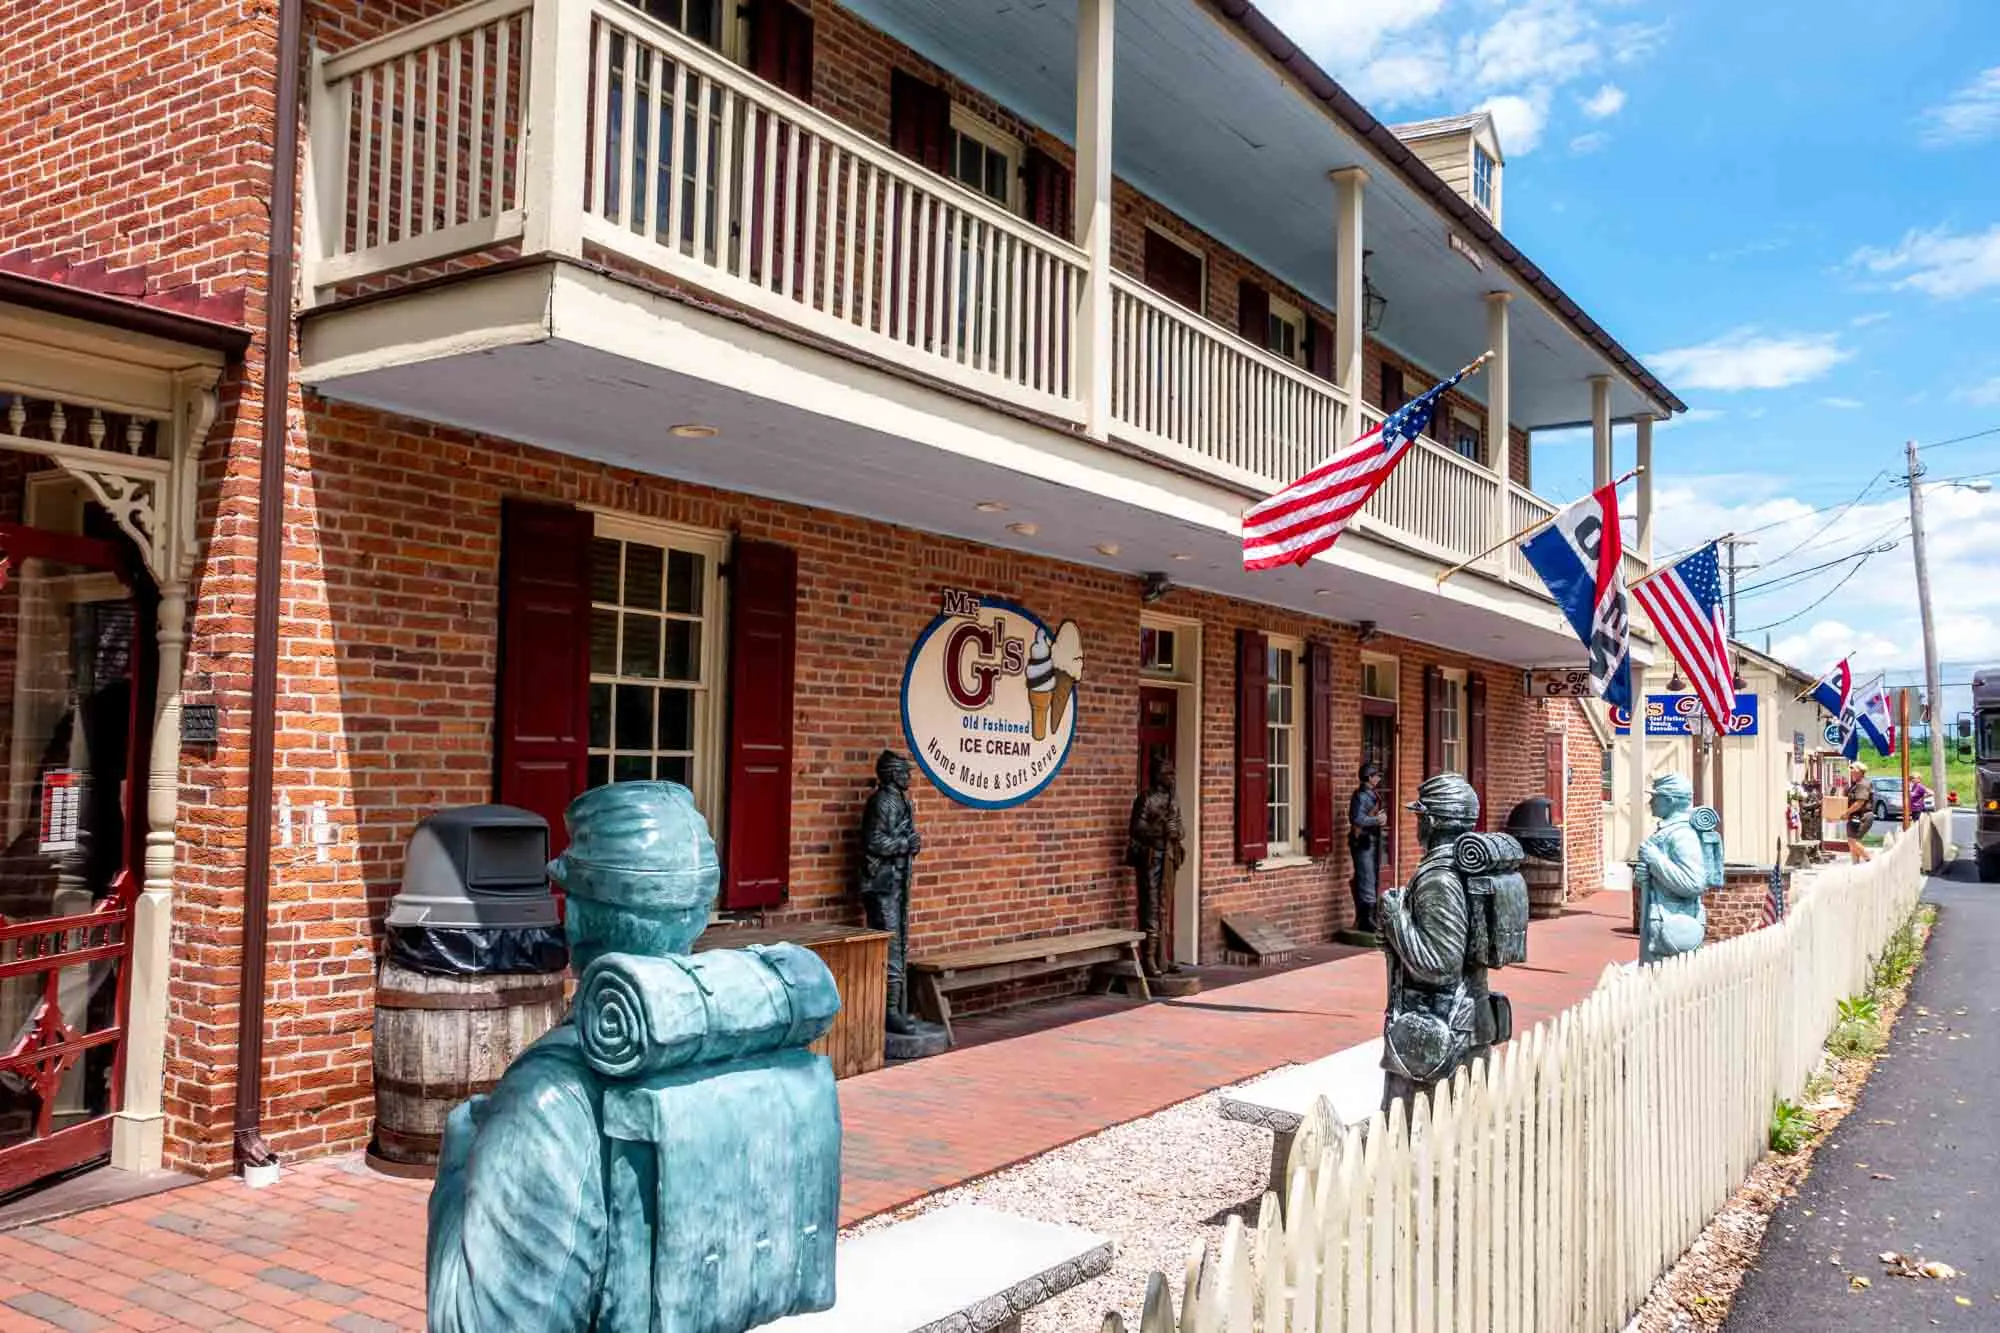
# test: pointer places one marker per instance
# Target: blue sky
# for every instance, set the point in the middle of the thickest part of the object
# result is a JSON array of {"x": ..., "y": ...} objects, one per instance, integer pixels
[{"x": 1791, "y": 213}]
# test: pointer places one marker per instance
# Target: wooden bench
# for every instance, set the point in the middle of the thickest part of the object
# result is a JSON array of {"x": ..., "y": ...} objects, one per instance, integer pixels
[
  {"x": 963, "y": 1269},
  {"x": 934, "y": 976}
]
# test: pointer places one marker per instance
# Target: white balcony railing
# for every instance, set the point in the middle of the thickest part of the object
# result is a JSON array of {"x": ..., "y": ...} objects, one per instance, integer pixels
[
  {"x": 587, "y": 128},
  {"x": 1524, "y": 509}
]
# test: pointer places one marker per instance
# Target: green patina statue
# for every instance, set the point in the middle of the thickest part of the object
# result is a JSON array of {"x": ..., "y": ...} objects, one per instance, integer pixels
[
  {"x": 1679, "y": 861},
  {"x": 667, "y": 1159},
  {"x": 1464, "y": 913}
]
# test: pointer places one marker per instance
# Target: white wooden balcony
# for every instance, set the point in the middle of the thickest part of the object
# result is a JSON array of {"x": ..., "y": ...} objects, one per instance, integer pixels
[{"x": 587, "y": 130}]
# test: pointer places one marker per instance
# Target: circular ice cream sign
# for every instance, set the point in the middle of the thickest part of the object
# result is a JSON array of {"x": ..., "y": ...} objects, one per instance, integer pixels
[{"x": 989, "y": 700}]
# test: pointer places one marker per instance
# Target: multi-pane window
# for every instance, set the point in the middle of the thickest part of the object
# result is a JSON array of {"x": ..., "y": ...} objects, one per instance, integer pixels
[
  {"x": 1465, "y": 436},
  {"x": 1378, "y": 678},
  {"x": 696, "y": 18},
  {"x": 1482, "y": 178},
  {"x": 1286, "y": 335},
  {"x": 1451, "y": 722},
  {"x": 1282, "y": 749},
  {"x": 652, "y": 600},
  {"x": 985, "y": 159},
  {"x": 1158, "y": 651}
]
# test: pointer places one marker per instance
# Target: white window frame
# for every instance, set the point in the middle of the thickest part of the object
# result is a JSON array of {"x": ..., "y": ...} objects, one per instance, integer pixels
[
  {"x": 731, "y": 25},
  {"x": 1386, "y": 664},
  {"x": 1462, "y": 417},
  {"x": 1479, "y": 154},
  {"x": 1200, "y": 255},
  {"x": 1453, "y": 750},
  {"x": 966, "y": 122},
  {"x": 1284, "y": 312},
  {"x": 1176, "y": 667},
  {"x": 709, "y": 721},
  {"x": 1292, "y": 846}
]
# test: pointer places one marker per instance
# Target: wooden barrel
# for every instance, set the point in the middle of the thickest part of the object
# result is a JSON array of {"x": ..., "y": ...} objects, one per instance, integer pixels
[
  {"x": 439, "y": 1040},
  {"x": 1545, "y": 887}
]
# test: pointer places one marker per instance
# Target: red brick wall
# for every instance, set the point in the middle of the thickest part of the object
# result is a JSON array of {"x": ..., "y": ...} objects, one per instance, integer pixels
[{"x": 1737, "y": 908}]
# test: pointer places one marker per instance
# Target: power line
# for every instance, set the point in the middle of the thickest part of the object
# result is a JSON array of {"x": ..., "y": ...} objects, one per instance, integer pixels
[
  {"x": 1962, "y": 439},
  {"x": 1825, "y": 527},
  {"x": 1783, "y": 581},
  {"x": 1845, "y": 579}
]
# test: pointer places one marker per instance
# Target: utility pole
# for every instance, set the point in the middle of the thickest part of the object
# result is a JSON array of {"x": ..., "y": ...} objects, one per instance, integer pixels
[
  {"x": 1933, "y": 678},
  {"x": 1730, "y": 544}
]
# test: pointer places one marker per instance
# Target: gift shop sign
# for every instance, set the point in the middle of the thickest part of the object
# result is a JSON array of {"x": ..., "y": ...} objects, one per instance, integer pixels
[
  {"x": 1677, "y": 714},
  {"x": 989, "y": 699}
]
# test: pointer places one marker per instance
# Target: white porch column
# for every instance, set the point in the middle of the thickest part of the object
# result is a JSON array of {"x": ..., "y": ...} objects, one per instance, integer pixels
[
  {"x": 1636, "y": 761},
  {"x": 1643, "y": 427},
  {"x": 1349, "y": 309},
  {"x": 558, "y": 118},
  {"x": 139, "y": 1130},
  {"x": 1096, "y": 24},
  {"x": 1499, "y": 411},
  {"x": 1600, "y": 429}
]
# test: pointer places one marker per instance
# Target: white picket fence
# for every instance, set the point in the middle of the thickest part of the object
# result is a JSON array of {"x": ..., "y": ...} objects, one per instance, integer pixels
[{"x": 1548, "y": 1191}]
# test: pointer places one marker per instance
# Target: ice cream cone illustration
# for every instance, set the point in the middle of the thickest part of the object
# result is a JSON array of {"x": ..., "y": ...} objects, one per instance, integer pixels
[
  {"x": 1041, "y": 685},
  {"x": 1067, "y": 658}
]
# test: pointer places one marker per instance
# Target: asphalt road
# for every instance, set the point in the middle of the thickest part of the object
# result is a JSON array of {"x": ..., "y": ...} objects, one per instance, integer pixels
[{"x": 1915, "y": 1167}]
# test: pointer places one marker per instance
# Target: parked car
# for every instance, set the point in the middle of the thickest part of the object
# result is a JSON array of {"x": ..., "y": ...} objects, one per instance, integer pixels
[{"x": 1888, "y": 794}]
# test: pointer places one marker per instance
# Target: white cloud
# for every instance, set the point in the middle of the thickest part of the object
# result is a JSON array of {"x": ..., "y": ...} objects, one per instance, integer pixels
[
  {"x": 1357, "y": 27},
  {"x": 1605, "y": 102},
  {"x": 1538, "y": 42},
  {"x": 1824, "y": 642},
  {"x": 1747, "y": 359},
  {"x": 1968, "y": 115},
  {"x": 1939, "y": 262},
  {"x": 1518, "y": 120},
  {"x": 1589, "y": 143},
  {"x": 1844, "y": 404},
  {"x": 1403, "y": 77},
  {"x": 1986, "y": 394},
  {"x": 1872, "y": 317}
]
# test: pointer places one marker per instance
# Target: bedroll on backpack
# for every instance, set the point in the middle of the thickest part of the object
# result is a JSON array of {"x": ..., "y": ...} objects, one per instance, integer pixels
[{"x": 1491, "y": 866}]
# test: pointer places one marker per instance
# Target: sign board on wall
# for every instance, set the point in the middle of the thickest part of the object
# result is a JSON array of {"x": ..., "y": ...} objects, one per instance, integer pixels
[
  {"x": 1561, "y": 683},
  {"x": 61, "y": 801},
  {"x": 1676, "y": 715},
  {"x": 990, "y": 700}
]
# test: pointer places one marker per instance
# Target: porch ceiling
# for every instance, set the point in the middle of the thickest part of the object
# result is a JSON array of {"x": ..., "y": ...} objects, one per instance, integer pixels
[
  {"x": 1206, "y": 125},
  {"x": 550, "y": 363}
]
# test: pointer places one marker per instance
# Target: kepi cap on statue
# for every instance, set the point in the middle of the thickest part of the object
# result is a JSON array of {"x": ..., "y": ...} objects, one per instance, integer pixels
[
  {"x": 1447, "y": 797},
  {"x": 1671, "y": 784},
  {"x": 641, "y": 846}
]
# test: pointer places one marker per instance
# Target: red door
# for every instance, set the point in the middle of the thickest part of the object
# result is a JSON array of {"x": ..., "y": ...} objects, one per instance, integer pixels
[{"x": 76, "y": 682}]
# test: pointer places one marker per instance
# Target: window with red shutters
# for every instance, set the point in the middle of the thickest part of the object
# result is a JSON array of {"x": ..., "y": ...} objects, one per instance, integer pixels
[
  {"x": 1175, "y": 271},
  {"x": 1319, "y": 749},
  {"x": 541, "y": 712},
  {"x": 781, "y": 46},
  {"x": 1475, "y": 734},
  {"x": 1252, "y": 742},
  {"x": 763, "y": 653}
]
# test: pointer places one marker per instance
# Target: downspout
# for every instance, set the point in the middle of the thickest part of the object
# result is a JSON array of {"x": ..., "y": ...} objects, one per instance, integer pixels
[{"x": 251, "y": 1150}]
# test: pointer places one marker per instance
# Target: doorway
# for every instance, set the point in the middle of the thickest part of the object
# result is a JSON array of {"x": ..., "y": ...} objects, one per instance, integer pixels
[
  {"x": 76, "y": 687},
  {"x": 1169, "y": 724},
  {"x": 1378, "y": 745}
]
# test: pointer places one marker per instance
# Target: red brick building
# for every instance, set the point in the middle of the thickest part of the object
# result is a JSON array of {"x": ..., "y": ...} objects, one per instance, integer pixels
[{"x": 661, "y": 381}]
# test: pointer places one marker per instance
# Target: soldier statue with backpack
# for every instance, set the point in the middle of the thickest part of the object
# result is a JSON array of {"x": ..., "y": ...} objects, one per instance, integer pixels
[{"x": 1465, "y": 912}]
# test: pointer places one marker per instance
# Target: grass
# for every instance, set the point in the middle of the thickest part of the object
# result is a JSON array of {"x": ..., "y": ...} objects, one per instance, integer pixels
[{"x": 1959, "y": 770}]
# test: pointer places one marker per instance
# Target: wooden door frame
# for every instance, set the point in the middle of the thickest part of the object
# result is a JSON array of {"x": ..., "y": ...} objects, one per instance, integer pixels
[{"x": 1186, "y": 685}]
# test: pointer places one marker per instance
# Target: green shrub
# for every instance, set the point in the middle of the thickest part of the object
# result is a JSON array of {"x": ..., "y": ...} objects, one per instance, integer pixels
[
  {"x": 1790, "y": 1127},
  {"x": 1853, "y": 1037},
  {"x": 1860, "y": 1009}
]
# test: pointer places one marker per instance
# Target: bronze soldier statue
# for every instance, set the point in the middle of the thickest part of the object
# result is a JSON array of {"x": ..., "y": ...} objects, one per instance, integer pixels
[
  {"x": 1465, "y": 910},
  {"x": 889, "y": 843},
  {"x": 1154, "y": 848}
]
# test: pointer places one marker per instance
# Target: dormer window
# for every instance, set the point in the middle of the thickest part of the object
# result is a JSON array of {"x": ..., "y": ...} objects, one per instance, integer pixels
[{"x": 1482, "y": 179}]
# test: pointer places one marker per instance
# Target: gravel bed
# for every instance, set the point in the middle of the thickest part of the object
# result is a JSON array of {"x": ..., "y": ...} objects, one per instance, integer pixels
[{"x": 1153, "y": 1186}]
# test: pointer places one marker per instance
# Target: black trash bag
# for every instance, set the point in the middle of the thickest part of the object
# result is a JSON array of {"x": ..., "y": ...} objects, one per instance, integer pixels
[{"x": 466, "y": 951}]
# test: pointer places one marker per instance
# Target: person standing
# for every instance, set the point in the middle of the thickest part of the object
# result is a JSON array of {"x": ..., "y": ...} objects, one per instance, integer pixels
[
  {"x": 1366, "y": 823},
  {"x": 1860, "y": 811}
]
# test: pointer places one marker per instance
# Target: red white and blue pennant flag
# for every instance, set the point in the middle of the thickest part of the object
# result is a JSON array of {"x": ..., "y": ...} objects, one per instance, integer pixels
[
  {"x": 1581, "y": 557},
  {"x": 1684, "y": 602},
  {"x": 1309, "y": 515},
  {"x": 1857, "y": 713}
]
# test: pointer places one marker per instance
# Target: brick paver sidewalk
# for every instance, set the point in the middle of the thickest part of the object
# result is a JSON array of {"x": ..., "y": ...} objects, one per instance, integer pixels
[{"x": 336, "y": 1246}]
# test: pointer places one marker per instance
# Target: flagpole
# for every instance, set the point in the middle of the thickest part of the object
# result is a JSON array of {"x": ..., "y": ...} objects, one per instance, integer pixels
[
  {"x": 1664, "y": 568},
  {"x": 1536, "y": 526},
  {"x": 1799, "y": 699}
]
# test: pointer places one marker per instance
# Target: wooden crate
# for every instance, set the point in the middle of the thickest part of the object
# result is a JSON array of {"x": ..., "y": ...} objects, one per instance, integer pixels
[{"x": 859, "y": 961}]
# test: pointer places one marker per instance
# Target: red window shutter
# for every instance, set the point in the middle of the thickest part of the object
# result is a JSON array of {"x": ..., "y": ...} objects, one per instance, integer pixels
[
  {"x": 1393, "y": 396},
  {"x": 1475, "y": 741},
  {"x": 1253, "y": 313},
  {"x": 1319, "y": 348},
  {"x": 920, "y": 121},
  {"x": 541, "y": 722},
  {"x": 1173, "y": 270},
  {"x": 1253, "y": 739},
  {"x": 1319, "y": 750},
  {"x": 1051, "y": 189},
  {"x": 1433, "y": 722},
  {"x": 763, "y": 625},
  {"x": 781, "y": 46}
]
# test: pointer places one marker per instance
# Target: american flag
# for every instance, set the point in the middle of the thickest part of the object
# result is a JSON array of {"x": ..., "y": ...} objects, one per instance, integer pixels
[
  {"x": 1774, "y": 892},
  {"x": 1684, "y": 601},
  {"x": 1309, "y": 515}
]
